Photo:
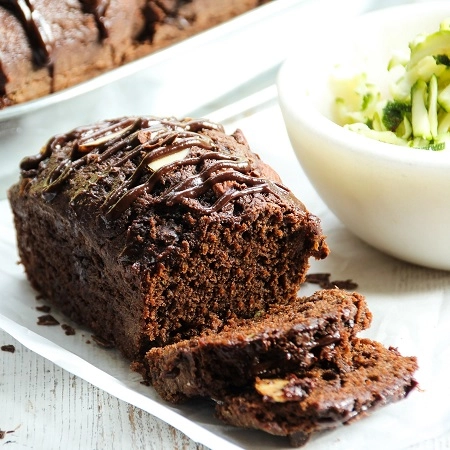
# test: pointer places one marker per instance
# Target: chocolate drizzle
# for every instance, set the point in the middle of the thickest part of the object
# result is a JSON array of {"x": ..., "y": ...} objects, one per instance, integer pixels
[
  {"x": 39, "y": 33},
  {"x": 36, "y": 28},
  {"x": 3, "y": 81},
  {"x": 98, "y": 9},
  {"x": 157, "y": 148}
]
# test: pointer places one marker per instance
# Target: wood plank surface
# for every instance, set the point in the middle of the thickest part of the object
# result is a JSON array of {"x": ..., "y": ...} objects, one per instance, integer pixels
[{"x": 45, "y": 407}]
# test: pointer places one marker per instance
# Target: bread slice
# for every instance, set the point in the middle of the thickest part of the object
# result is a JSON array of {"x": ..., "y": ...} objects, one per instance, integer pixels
[
  {"x": 323, "y": 397},
  {"x": 286, "y": 338}
]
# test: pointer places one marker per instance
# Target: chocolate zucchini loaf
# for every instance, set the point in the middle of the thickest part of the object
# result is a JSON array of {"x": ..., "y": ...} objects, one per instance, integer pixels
[
  {"x": 48, "y": 45},
  {"x": 325, "y": 396},
  {"x": 152, "y": 230},
  {"x": 287, "y": 338}
]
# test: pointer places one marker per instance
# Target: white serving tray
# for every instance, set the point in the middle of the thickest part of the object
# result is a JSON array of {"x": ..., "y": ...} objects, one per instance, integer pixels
[{"x": 235, "y": 34}]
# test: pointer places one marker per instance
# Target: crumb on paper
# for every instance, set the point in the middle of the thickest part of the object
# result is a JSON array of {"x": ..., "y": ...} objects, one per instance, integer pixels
[
  {"x": 3, "y": 433},
  {"x": 325, "y": 282},
  {"x": 43, "y": 308},
  {"x": 318, "y": 278},
  {"x": 68, "y": 330},
  {"x": 348, "y": 285},
  {"x": 102, "y": 342},
  {"x": 47, "y": 319},
  {"x": 8, "y": 348}
]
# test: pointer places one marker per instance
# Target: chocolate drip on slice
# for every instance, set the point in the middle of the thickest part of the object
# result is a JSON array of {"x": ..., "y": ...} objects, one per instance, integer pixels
[
  {"x": 117, "y": 136},
  {"x": 83, "y": 137},
  {"x": 157, "y": 148},
  {"x": 226, "y": 168},
  {"x": 3, "y": 81},
  {"x": 156, "y": 12},
  {"x": 98, "y": 9},
  {"x": 36, "y": 28}
]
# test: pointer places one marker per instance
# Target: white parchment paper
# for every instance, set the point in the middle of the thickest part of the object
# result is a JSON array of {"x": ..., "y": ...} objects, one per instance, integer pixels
[{"x": 411, "y": 307}]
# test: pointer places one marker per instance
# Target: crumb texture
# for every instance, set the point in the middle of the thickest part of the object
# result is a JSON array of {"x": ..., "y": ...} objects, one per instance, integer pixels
[
  {"x": 288, "y": 337},
  {"x": 151, "y": 230},
  {"x": 325, "y": 396},
  {"x": 174, "y": 242}
]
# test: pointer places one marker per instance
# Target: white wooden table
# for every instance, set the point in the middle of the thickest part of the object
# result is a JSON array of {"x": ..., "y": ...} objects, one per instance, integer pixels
[{"x": 45, "y": 407}]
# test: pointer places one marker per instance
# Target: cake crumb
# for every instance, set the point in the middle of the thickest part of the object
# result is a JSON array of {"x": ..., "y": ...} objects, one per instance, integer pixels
[
  {"x": 47, "y": 319},
  {"x": 70, "y": 331},
  {"x": 3, "y": 433},
  {"x": 102, "y": 342},
  {"x": 325, "y": 282},
  {"x": 43, "y": 308},
  {"x": 318, "y": 278},
  {"x": 348, "y": 285},
  {"x": 8, "y": 348}
]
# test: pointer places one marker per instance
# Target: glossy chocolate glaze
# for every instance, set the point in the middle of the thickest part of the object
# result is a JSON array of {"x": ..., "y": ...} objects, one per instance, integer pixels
[{"x": 152, "y": 140}]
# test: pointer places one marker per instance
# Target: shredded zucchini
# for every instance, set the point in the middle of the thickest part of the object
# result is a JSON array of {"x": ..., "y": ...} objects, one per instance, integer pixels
[{"x": 417, "y": 112}]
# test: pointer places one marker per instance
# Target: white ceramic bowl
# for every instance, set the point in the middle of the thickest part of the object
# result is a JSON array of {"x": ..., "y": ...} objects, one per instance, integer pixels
[{"x": 395, "y": 198}]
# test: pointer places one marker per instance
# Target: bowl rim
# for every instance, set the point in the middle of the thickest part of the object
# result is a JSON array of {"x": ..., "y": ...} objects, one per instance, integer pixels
[{"x": 309, "y": 118}]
